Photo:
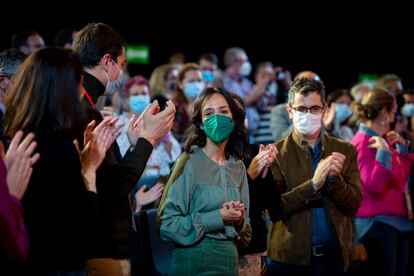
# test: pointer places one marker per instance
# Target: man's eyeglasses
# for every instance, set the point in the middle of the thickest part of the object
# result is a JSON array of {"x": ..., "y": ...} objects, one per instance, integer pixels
[{"x": 314, "y": 109}]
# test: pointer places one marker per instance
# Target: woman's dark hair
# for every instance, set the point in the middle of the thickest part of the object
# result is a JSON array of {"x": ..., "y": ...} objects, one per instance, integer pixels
[
  {"x": 336, "y": 94},
  {"x": 374, "y": 101},
  {"x": 237, "y": 145},
  {"x": 46, "y": 92}
]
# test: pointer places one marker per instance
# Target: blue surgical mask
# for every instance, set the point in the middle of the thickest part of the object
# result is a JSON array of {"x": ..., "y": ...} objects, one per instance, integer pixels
[
  {"x": 112, "y": 86},
  {"x": 408, "y": 110},
  {"x": 208, "y": 76},
  {"x": 342, "y": 113},
  {"x": 193, "y": 89},
  {"x": 137, "y": 104}
]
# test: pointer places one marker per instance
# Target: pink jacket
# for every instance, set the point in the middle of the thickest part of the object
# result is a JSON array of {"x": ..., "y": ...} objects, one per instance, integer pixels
[
  {"x": 14, "y": 242},
  {"x": 382, "y": 188}
]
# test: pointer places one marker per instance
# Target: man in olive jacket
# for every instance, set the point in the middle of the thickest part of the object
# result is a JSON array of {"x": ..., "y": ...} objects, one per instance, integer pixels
[{"x": 318, "y": 177}]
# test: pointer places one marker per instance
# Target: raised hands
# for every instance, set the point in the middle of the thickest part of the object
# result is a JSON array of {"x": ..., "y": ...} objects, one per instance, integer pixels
[
  {"x": 329, "y": 117},
  {"x": 143, "y": 198},
  {"x": 107, "y": 112},
  {"x": 153, "y": 124},
  {"x": 232, "y": 212},
  {"x": 394, "y": 138},
  {"x": 19, "y": 160},
  {"x": 378, "y": 142},
  {"x": 262, "y": 80},
  {"x": 262, "y": 161},
  {"x": 337, "y": 163},
  {"x": 330, "y": 166},
  {"x": 96, "y": 142},
  {"x": 134, "y": 129}
]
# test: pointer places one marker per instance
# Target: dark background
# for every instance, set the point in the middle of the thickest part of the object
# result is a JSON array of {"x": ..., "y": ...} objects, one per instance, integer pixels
[{"x": 338, "y": 45}]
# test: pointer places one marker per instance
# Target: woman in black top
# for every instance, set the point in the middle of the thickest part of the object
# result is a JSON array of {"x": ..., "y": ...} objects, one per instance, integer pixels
[{"x": 60, "y": 199}]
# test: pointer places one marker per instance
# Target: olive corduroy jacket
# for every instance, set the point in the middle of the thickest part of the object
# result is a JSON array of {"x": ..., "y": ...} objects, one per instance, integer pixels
[{"x": 290, "y": 236}]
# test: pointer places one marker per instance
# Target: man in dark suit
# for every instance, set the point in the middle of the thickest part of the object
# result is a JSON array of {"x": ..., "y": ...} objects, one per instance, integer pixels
[{"x": 102, "y": 53}]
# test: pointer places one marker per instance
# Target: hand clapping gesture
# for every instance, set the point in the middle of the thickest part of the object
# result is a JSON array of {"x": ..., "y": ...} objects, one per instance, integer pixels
[
  {"x": 330, "y": 166},
  {"x": 155, "y": 124},
  {"x": 108, "y": 112},
  {"x": 96, "y": 142},
  {"x": 262, "y": 161},
  {"x": 19, "y": 160},
  {"x": 329, "y": 117},
  {"x": 394, "y": 138},
  {"x": 378, "y": 142}
]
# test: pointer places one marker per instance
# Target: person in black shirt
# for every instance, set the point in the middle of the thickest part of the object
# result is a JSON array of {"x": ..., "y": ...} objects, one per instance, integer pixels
[{"x": 102, "y": 53}]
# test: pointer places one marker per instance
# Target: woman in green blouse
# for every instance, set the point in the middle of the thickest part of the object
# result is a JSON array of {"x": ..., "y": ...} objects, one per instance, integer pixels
[{"x": 205, "y": 207}]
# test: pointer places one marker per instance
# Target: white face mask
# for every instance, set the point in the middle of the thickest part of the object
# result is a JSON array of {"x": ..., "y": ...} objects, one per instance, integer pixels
[
  {"x": 245, "y": 69},
  {"x": 112, "y": 86},
  {"x": 307, "y": 123}
]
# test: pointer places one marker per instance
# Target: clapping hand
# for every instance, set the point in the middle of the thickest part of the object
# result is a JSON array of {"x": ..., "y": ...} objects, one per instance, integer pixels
[
  {"x": 329, "y": 117},
  {"x": 337, "y": 163},
  {"x": 330, "y": 166},
  {"x": 262, "y": 161},
  {"x": 96, "y": 142},
  {"x": 272, "y": 152},
  {"x": 19, "y": 160},
  {"x": 108, "y": 112},
  {"x": 378, "y": 142},
  {"x": 394, "y": 138},
  {"x": 155, "y": 124}
]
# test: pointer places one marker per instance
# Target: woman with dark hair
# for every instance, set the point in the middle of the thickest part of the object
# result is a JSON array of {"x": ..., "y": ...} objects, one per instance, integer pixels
[
  {"x": 340, "y": 101},
  {"x": 205, "y": 206},
  {"x": 61, "y": 195},
  {"x": 383, "y": 219}
]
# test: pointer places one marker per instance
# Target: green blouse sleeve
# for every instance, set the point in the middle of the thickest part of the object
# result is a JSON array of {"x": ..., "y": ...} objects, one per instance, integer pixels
[
  {"x": 176, "y": 223},
  {"x": 245, "y": 233}
]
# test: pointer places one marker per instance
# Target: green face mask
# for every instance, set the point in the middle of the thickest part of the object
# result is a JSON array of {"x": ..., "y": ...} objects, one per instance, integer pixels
[{"x": 218, "y": 128}]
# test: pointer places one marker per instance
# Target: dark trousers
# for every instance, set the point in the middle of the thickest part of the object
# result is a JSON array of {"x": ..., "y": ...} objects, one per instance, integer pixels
[
  {"x": 330, "y": 265},
  {"x": 388, "y": 250}
]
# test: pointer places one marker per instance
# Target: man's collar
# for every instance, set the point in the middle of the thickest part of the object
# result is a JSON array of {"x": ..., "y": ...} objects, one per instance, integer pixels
[
  {"x": 93, "y": 86},
  {"x": 304, "y": 144}
]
